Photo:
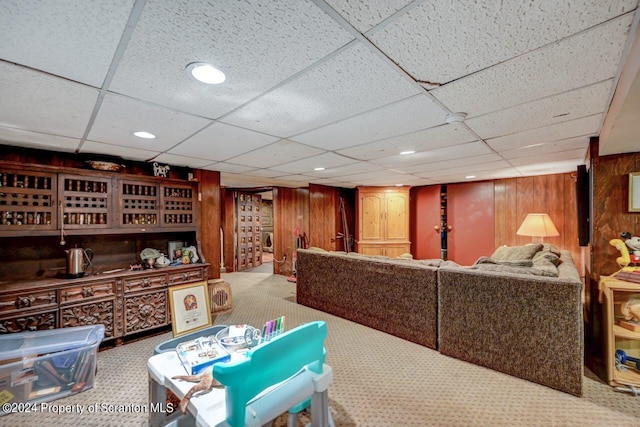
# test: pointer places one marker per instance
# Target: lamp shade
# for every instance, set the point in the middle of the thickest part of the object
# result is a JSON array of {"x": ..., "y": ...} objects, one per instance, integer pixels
[{"x": 537, "y": 225}]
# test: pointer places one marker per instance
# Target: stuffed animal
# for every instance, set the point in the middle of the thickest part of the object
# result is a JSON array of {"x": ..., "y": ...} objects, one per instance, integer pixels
[
  {"x": 631, "y": 309},
  {"x": 633, "y": 243}
]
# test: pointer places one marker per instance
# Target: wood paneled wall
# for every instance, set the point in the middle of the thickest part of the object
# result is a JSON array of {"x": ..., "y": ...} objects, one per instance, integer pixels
[
  {"x": 325, "y": 218},
  {"x": 514, "y": 198},
  {"x": 290, "y": 210},
  {"x": 611, "y": 214},
  {"x": 210, "y": 219},
  {"x": 552, "y": 194}
]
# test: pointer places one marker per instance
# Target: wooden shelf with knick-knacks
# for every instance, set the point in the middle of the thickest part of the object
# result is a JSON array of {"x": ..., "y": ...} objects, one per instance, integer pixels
[
  {"x": 28, "y": 200},
  {"x": 46, "y": 200},
  {"x": 622, "y": 310}
]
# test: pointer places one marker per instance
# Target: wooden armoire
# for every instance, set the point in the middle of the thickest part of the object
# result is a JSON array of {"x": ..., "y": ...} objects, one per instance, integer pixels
[{"x": 382, "y": 215}]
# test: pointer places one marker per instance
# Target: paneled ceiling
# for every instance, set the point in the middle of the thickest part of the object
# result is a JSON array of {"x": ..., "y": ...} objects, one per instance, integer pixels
[{"x": 341, "y": 85}]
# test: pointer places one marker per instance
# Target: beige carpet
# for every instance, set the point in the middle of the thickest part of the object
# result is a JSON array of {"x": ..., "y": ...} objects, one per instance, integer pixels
[{"x": 379, "y": 380}]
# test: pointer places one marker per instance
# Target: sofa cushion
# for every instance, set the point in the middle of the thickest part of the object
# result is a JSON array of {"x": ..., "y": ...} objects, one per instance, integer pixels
[
  {"x": 543, "y": 257},
  {"x": 516, "y": 255}
]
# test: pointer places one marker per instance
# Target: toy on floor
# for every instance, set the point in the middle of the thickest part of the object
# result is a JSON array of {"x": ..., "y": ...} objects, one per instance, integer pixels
[
  {"x": 631, "y": 389},
  {"x": 622, "y": 358}
]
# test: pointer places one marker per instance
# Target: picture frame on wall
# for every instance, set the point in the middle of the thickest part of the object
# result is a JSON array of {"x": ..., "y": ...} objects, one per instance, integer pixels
[
  {"x": 190, "y": 308},
  {"x": 634, "y": 192}
]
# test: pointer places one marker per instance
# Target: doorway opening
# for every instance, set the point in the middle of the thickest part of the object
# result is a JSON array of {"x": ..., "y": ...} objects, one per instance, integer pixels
[{"x": 251, "y": 243}]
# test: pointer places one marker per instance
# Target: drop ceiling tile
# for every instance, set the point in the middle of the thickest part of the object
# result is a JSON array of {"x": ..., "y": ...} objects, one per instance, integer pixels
[
  {"x": 460, "y": 168},
  {"x": 307, "y": 165},
  {"x": 220, "y": 141},
  {"x": 467, "y": 37},
  {"x": 581, "y": 60},
  {"x": 74, "y": 39},
  {"x": 247, "y": 181},
  {"x": 551, "y": 158},
  {"x": 172, "y": 159},
  {"x": 275, "y": 154},
  {"x": 409, "y": 115},
  {"x": 332, "y": 182},
  {"x": 563, "y": 107},
  {"x": 403, "y": 162},
  {"x": 119, "y": 117},
  {"x": 43, "y": 141},
  {"x": 344, "y": 171},
  {"x": 231, "y": 168},
  {"x": 484, "y": 175},
  {"x": 296, "y": 178},
  {"x": 551, "y": 167},
  {"x": 118, "y": 151},
  {"x": 267, "y": 173},
  {"x": 580, "y": 143},
  {"x": 42, "y": 103},
  {"x": 586, "y": 126},
  {"x": 428, "y": 139},
  {"x": 366, "y": 176},
  {"x": 366, "y": 15},
  {"x": 391, "y": 179},
  {"x": 256, "y": 43},
  {"x": 354, "y": 81}
]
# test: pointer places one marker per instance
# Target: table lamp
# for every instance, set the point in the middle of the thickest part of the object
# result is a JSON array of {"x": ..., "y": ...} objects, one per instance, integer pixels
[{"x": 538, "y": 226}]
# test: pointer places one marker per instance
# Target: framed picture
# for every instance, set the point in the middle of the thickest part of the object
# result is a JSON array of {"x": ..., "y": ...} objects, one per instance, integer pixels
[
  {"x": 190, "y": 309},
  {"x": 634, "y": 192},
  {"x": 175, "y": 250}
]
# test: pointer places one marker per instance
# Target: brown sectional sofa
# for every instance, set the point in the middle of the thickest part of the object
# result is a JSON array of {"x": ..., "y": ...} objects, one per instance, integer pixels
[
  {"x": 508, "y": 317},
  {"x": 528, "y": 326},
  {"x": 395, "y": 296}
]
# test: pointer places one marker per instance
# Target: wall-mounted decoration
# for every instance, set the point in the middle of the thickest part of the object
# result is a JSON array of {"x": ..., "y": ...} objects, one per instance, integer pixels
[
  {"x": 162, "y": 171},
  {"x": 634, "y": 192}
]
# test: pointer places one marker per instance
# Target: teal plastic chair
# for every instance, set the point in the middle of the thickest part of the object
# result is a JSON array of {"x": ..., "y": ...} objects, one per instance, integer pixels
[{"x": 278, "y": 375}]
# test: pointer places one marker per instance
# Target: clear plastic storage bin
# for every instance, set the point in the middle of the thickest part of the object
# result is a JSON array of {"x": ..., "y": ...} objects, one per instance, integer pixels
[{"x": 40, "y": 366}]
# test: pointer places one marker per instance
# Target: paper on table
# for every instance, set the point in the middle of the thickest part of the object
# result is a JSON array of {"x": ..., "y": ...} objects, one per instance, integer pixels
[{"x": 237, "y": 330}]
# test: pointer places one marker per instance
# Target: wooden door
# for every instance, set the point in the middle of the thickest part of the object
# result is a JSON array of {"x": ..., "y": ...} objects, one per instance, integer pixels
[
  {"x": 397, "y": 216},
  {"x": 470, "y": 214},
  {"x": 425, "y": 215},
  {"x": 371, "y": 210}
]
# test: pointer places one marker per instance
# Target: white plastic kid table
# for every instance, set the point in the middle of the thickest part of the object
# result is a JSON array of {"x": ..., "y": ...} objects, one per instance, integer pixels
[{"x": 209, "y": 409}]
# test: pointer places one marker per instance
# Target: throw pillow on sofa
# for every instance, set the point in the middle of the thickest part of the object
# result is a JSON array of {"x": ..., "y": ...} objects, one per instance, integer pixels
[{"x": 516, "y": 255}]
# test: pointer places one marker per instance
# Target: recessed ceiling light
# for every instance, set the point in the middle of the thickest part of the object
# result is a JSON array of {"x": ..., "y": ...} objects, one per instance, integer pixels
[
  {"x": 318, "y": 169},
  {"x": 399, "y": 185},
  {"x": 470, "y": 176},
  {"x": 145, "y": 135},
  {"x": 454, "y": 117},
  {"x": 407, "y": 152},
  {"x": 206, "y": 73}
]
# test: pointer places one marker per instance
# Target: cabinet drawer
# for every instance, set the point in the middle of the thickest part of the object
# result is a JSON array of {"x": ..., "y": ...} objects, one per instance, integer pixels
[
  {"x": 90, "y": 313},
  {"x": 138, "y": 283},
  {"x": 145, "y": 311},
  {"x": 187, "y": 276},
  {"x": 86, "y": 291},
  {"x": 27, "y": 300},
  {"x": 29, "y": 321}
]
